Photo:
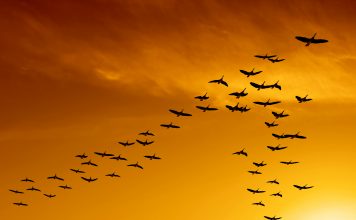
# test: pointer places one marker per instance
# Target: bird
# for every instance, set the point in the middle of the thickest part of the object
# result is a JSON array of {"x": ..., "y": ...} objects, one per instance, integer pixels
[
  {"x": 126, "y": 144},
  {"x": 55, "y": 177},
  {"x": 262, "y": 164},
  {"x": 292, "y": 136},
  {"x": 264, "y": 104},
  {"x": 144, "y": 143},
  {"x": 103, "y": 154},
  {"x": 278, "y": 136},
  {"x": 276, "y": 147},
  {"x": 89, "y": 163},
  {"x": 258, "y": 203},
  {"x": 49, "y": 195},
  {"x": 271, "y": 124},
  {"x": 77, "y": 171},
  {"x": 65, "y": 187},
  {"x": 33, "y": 189},
  {"x": 146, "y": 133},
  {"x": 265, "y": 56},
  {"x": 27, "y": 180},
  {"x": 135, "y": 165},
  {"x": 112, "y": 175},
  {"x": 253, "y": 172},
  {"x": 206, "y": 108},
  {"x": 233, "y": 108},
  {"x": 273, "y": 181},
  {"x": 254, "y": 191},
  {"x": 303, "y": 187},
  {"x": 171, "y": 125},
  {"x": 259, "y": 86},
  {"x": 311, "y": 40},
  {"x": 81, "y": 156},
  {"x": 272, "y": 218},
  {"x": 179, "y": 113},
  {"x": 304, "y": 99},
  {"x": 219, "y": 81},
  {"x": 16, "y": 191},
  {"x": 152, "y": 157},
  {"x": 239, "y": 94},
  {"x": 20, "y": 204},
  {"x": 241, "y": 152},
  {"x": 275, "y": 60},
  {"x": 89, "y": 179},
  {"x": 118, "y": 158},
  {"x": 250, "y": 73},
  {"x": 202, "y": 98},
  {"x": 279, "y": 115},
  {"x": 277, "y": 194},
  {"x": 289, "y": 162}
]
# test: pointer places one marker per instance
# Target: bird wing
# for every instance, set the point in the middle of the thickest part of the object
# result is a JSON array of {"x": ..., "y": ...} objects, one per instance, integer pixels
[
  {"x": 259, "y": 103},
  {"x": 185, "y": 114},
  {"x": 254, "y": 85},
  {"x": 275, "y": 102},
  {"x": 229, "y": 107},
  {"x": 201, "y": 107},
  {"x": 302, "y": 39},
  {"x": 140, "y": 142},
  {"x": 163, "y": 125},
  {"x": 224, "y": 83},
  {"x": 175, "y": 126},
  {"x": 214, "y": 81},
  {"x": 211, "y": 109},
  {"x": 174, "y": 112},
  {"x": 317, "y": 41},
  {"x": 245, "y": 72}
]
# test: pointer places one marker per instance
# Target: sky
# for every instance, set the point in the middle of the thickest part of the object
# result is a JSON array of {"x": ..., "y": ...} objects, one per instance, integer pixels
[{"x": 79, "y": 76}]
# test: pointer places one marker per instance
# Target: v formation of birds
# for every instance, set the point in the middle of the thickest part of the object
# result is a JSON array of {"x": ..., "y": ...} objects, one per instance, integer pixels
[{"x": 148, "y": 136}]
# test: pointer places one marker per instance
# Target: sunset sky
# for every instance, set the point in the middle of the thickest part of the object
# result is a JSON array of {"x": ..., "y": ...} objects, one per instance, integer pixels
[{"x": 79, "y": 76}]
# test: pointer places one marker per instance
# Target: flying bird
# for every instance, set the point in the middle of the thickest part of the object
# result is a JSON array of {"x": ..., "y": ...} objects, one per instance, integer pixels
[
  {"x": 273, "y": 181},
  {"x": 239, "y": 94},
  {"x": 279, "y": 115},
  {"x": 253, "y": 172},
  {"x": 16, "y": 191},
  {"x": 89, "y": 179},
  {"x": 272, "y": 124},
  {"x": 259, "y": 86},
  {"x": 241, "y": 152},
  {"x": 89, "y": 163},
  {"x": 219, "y": 81},
  {"x": 65, "y": 187},
  {"x": 144, "y": 143},
  {"x": 206, "y": 108},
  {"x": 254, "y": 191},
  {"x": 152, "y": 157},
  {"x": 303, "y": 187},
  {"x": 292, "y": 136},
  {"x": 259, "y": 203},
  {"x": 20, "y": 204},
  {"x": 202, "y": 98},
  {"x": 112, "y": 175},
  {"x": 250, "y": 73},
  {"x": 259, "y": 164},
  {"x": 171, "y": 125},
  {"x": 278, "y": 136},
  {"x": 264, "y": 104},
  {"x": 77, "y": 171},
  {"x": 278, "y": 147},
  {"x": 272, "y": 218},
  {"x": 33, "y": 189},
  {"x": 27, "y": 180},
  {"x": 126, "y": 144},
  {"x": 81, "y": 156},
  {"x": 277, "y": 194},
  {"x": 276, "y": 85},
  {"x": 233, "y": 108},
  {"x": 55, "y": 177},
  {"x": 179, "y": 113},
  {"x": 275, "y": 60},
  {"x": 49, "y": 195},
  {"x": 135, "y": 165},
  {"x": 118, "y": 158},
  {"x": 146, "y": 133},
  {"x": 304, "y": 99},
  {"x": 311, "y": 40},
  {"x": 104, "y": 154},
  {"x": 265, "y": 56},
  {"x": 289, "y": 162}
]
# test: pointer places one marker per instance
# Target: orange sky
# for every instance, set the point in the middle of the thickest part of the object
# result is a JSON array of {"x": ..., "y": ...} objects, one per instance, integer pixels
[{"x": 78, "y": 76}]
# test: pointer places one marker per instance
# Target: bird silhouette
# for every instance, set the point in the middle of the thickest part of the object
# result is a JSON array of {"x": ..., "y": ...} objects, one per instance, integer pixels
[
  {"x": 239, "y": 94},
  {"x": 259, "y": 164},
  {"x": 89, "y": 179},
  {"x": 258, "y": 203},
  {"x": 254, "y": 191},
  {"x": 265, "y": 56},
  {"x": 179, "y": 113},
  {"x": 20, "y": 204},
  {"x": 118, "y": 158},
  {"x": 250, "y": 73},
  {"x": 277, "y": 194},
  {"x": 303, "y": 187},
  {"x": 219, "y": 81},
  {"x": 126, "y": 144},
  {"x": 279, "y": 115},
  {"x": 49, "y": 195},
  {"x": 16, "y": 191},
  {"x": 103, "y": 154},
  {"x": 311, "y": 40},
  {"x": 202, "y": 98},
  {"x": 81, "y": 156},
  {"x": 146, "y": 133},
  {"x": 241, "y": 152},
  {"x": 278, "y": 147},
  {"x": 112, "y": 175},
  {"x": 273, "y": 181},
  {"x": 171, "y": 125},
  {"x": 77, "y": 171},
  {"x": 275, "y": 60},
  {"x": 268, "y": 102},
  {"x": 152, "y": 157},
  {"x": 292, "y": 136},
  {"x": 55, "y": 177},
  {"x": 135, "y": 165},
  {"x": 279, "y": 136},
  {"x": 206, "y": 108},
  {"x": 65, "y": 187},
  {"x": 89, "y": 163},
  {"x": 27, "y": 180},
  {"x": 271, "y": 124},
  {"x": 304, "y": 99},
  {"x": 272, "y": 218},
  {"x": 253, "y": 172},
  {"x": 33, "y": 189},
  {"x": 144, "y": 143},
  {"x": 289, "y": 162}
]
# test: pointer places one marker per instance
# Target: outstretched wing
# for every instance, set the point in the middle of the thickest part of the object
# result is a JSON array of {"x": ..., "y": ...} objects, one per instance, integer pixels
[
  {"x": 211, "y": 109},
  {"x": 245, "y": 72},
  {"x": 175, "y": 112},
  {"x": 201, "y": 108},
  {"x": 275, "y": 102},
  {"x": 254, "y": 85},
  {"x": 140, "y": 142},
  {"x": 303, "y": 39},
  {"x": 224, "y": 83},
  {"x": 164, "y": 125},
  {"x": 185, "y": 114},
  {"x": 175, "y": 126},
  {"x": 229, "y": 107},
  {"x": 214, "y": 81},
  {"x": 318, "y": 41},
  {"x": 259, "y": 103}
]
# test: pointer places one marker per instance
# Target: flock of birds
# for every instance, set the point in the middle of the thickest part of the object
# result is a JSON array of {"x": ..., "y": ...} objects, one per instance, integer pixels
[{"x": 204, "y": 108}]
